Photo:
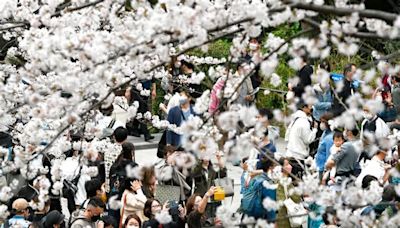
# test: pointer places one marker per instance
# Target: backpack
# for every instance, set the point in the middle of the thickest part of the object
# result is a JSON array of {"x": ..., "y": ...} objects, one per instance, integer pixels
[{"x": 252, "y": 201}]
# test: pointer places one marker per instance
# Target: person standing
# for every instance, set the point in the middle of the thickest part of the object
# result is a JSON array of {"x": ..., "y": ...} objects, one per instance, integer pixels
[
  {"x": 325, "y": 144},
  {"x": 348, "y": 89},
  {"x": 139, "y": 127},
  {"x": 299, "y": 135},
  {"x": 373, "y": 127},
  {"x": 252, "y": 203},
  {"x": 178, "y": 115},
  {"x": 345, "y": 161},
  {"x": 304, "y": 75}
]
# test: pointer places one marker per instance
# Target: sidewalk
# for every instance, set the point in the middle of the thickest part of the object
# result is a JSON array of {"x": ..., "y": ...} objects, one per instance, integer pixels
[{"x": 140, "y": 144}]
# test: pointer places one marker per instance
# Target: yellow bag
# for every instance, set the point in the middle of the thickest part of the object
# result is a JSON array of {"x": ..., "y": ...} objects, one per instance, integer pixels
[{"x": 219, "y": 194}]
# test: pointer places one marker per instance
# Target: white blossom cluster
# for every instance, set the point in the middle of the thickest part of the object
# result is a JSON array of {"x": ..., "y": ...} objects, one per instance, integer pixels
[{"x": 202, "y": 60}]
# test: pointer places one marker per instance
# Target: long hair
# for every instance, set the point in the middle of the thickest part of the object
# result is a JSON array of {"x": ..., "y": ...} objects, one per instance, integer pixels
[
  {"x": 148, "y": 206},
  {"x": 190, "y": 203}
]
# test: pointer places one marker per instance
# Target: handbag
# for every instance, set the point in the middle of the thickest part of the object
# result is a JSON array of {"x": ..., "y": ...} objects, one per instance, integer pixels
[
  {"x": 108, "y": 131},
  {"x": 166, "y": 193},
  {"x": 296, "y": 212},
  {"x": 227, "y": 184}
]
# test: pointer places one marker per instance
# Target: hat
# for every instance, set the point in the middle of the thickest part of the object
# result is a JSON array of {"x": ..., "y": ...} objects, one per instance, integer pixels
[
  {"x": 27, "y": 192},
  {"x": 20, "y": 204},
  {"x": 52, "y": 218}
]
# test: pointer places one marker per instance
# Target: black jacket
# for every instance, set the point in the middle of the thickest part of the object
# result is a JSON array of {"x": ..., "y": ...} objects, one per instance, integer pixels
[
  {"x": 202, "y": 184},
  {"x": 344, "y": 94},
  {"x": 304, "y": 75}
]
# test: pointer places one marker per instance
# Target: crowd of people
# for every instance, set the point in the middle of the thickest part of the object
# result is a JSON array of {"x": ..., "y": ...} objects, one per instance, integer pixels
[{"x": 167, "y": 194}]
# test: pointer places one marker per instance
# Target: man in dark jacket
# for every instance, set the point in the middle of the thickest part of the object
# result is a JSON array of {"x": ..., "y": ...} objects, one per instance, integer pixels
[
  {"x": 346, "y": 91},
  {"x": 204, "y": 175},
  {"x": 304, "y": 75},
  {"x": 135, "y": 127},
  {"x": 177, "y": 115},
  {"x": 90, "y": 216}
]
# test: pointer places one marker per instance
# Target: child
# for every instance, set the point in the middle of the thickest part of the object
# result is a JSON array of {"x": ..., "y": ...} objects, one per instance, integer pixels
[{"x": 338, "y": 140}]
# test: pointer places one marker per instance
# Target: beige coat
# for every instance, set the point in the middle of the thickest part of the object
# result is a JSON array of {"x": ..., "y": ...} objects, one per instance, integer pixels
[{"x": 133, "y": 203}]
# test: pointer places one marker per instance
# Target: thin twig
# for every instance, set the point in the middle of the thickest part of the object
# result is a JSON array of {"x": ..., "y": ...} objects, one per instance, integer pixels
[{"x": 69, "y": 10}]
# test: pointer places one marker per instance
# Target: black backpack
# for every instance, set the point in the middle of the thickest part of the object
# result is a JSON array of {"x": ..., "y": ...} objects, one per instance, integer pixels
[{"x": 69, "y": 190}]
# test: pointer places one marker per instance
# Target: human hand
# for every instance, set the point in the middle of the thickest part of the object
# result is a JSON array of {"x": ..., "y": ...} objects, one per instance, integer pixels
[
  {"x": 100, "y": 224},
  {"x": 211, "y": 191},
  {"x": 182, "y": 211},
  {"x": 136, "y": 185},
  {"x": 315, "y": 124},
  {"x": 248, "y": 98}
]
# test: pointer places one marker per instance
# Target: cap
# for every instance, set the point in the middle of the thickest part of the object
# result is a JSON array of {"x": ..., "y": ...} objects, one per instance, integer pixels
[
  {"x": 20, "y": 204},
  {"x": 53, "y": 218}
]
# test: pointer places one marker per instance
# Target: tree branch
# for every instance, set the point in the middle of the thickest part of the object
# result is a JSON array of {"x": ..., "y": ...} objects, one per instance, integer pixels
[
  {"x": 69, "y": 10},
  {"x": 339, "y": 11},
  {"x": 362, "y": 35},
  {"x": 393, "y": 55},
  {"x": 13, "y": 27}
]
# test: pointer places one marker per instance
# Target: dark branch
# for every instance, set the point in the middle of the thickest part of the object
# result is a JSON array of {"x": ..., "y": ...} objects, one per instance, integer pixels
[
  {"x": 58, "y": 13},
  {"x": 326, "y": 9},
  {"x": 362, "y": 35}
]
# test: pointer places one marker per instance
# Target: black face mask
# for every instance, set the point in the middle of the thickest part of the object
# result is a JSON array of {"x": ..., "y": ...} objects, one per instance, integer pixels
[{"x": 95, "y": 218}]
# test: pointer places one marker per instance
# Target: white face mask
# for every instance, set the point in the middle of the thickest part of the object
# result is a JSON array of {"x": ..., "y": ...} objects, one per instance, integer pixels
[
  {"x": 367, "y": 115},
  {"x": 253, "y": 46},
  {"x": 322, "y": 126},
  {"x": 132, "y": 226}
]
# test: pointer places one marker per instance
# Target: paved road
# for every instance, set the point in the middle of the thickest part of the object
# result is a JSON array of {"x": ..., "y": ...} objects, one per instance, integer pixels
[{"x": 146, "y": 153}]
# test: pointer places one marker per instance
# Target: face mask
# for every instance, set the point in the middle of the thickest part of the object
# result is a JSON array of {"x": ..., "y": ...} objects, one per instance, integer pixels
[
  {"x": 253, "y": 46},
  {"x": 367, "y": 115},
  {"x": 132, "y": 226},
  {"x": 322, "y": 126},
  {"x": 183, "y": 100},
  {"x": 95, "y": 218}
]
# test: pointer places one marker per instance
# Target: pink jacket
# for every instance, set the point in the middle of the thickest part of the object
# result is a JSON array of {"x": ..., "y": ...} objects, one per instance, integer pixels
[{"x": 214, "y": 102}]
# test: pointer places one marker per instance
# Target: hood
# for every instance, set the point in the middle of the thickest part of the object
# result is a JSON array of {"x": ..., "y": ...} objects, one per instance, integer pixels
[{"x": 299, "y": 114}]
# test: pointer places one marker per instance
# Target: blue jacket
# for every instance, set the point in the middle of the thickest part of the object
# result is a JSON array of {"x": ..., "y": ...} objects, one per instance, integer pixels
[
  {"x": 175, "y": 117},
  {"x": 323, "y": 151},
  {"x": 269, "y": 215},
  {"x": 324, "y": 103}
]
